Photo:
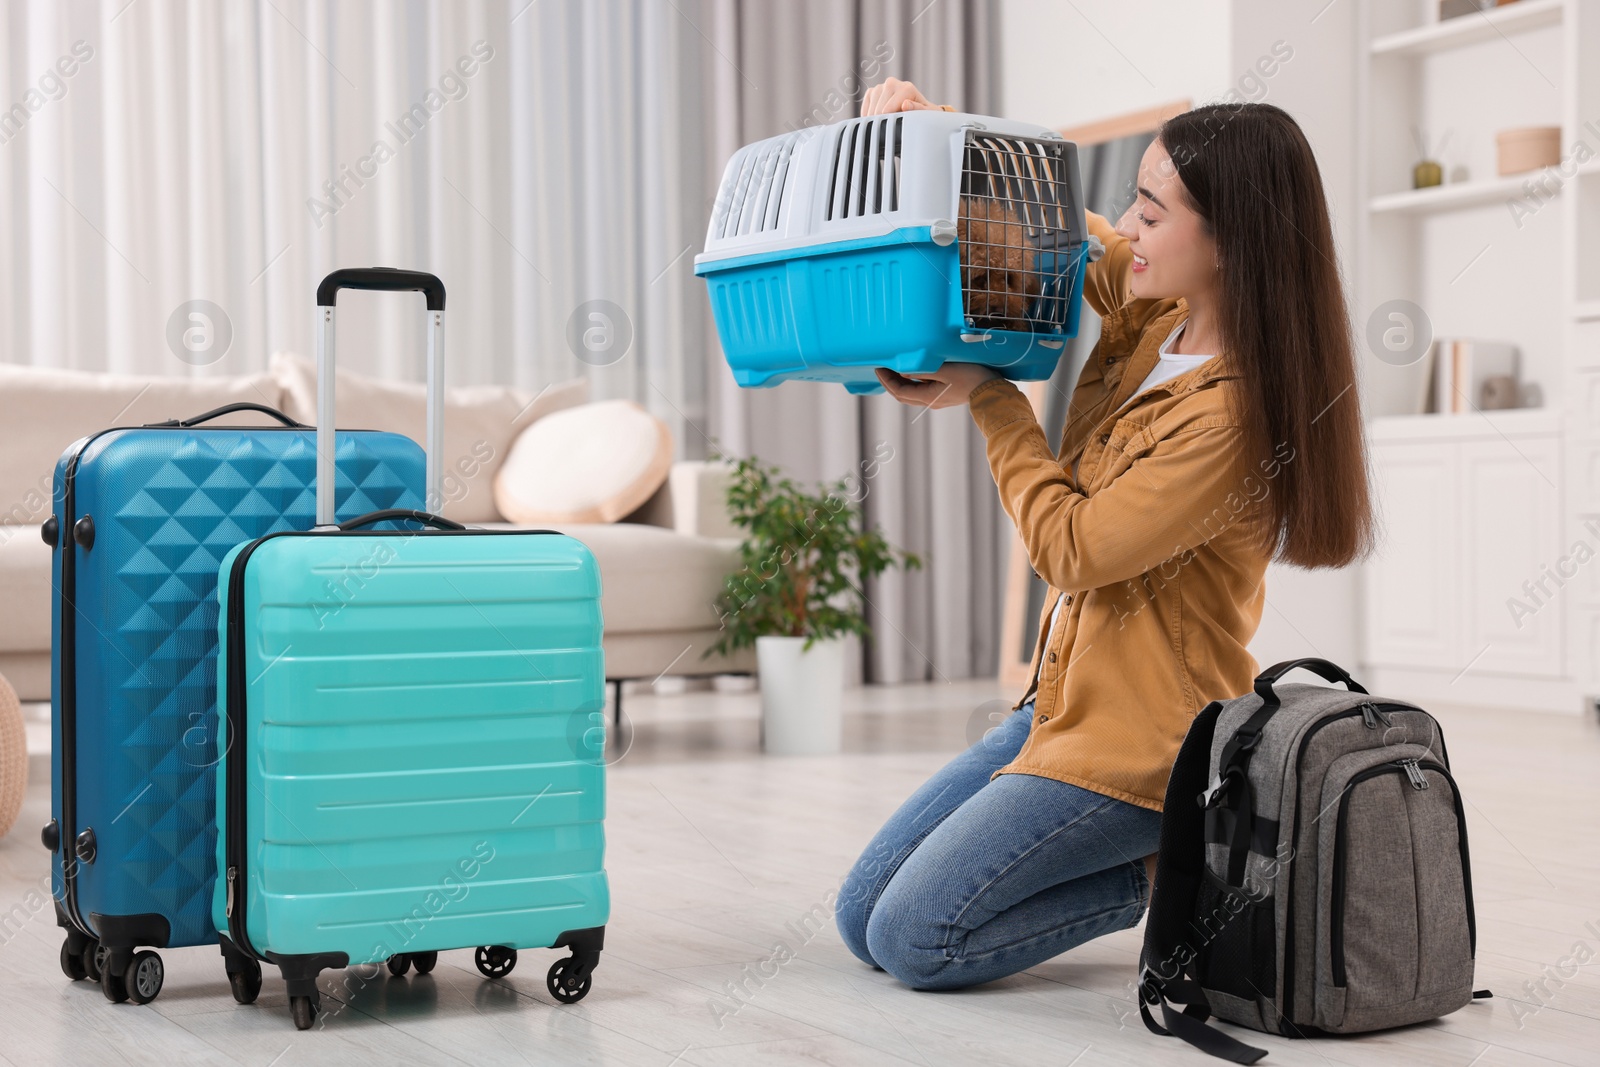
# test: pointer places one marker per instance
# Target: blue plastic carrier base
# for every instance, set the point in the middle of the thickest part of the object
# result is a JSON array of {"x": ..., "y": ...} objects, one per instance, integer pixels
[
  {"x": 142, "y": 517},
  {"x": 835, "y": 312}
]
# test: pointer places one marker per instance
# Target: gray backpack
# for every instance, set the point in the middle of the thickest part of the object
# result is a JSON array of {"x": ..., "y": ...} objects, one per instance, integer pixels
[{"x": 1313, "y": 874}]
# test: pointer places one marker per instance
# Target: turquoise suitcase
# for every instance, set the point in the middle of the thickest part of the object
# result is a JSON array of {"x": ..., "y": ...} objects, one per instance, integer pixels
[{"x": 412, "y": 738}]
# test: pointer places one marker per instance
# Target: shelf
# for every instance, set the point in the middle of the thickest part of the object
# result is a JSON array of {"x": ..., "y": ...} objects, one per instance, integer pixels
[
  {"x": 1470, "y": 29},
  {"x": 1452, "y": 197}
]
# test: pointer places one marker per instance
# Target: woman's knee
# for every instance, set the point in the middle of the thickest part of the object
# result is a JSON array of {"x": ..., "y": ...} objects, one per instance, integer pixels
[
  {"x": 898, "y": 940},
  {"x": 850, "y": 911}
]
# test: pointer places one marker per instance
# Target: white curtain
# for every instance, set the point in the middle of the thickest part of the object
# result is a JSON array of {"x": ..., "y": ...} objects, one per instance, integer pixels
[
  {"x": 536, "y": 156},
  {"x": 786, "y": 65}
]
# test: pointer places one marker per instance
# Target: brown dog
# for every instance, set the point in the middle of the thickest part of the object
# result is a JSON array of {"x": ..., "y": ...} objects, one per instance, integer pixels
[{"x": 997, "y": 264}]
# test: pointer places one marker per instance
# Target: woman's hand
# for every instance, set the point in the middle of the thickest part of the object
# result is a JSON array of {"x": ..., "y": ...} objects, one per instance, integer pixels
[
  {"x": 949, "y": 386},
  {"x": 894, "y": 96}
]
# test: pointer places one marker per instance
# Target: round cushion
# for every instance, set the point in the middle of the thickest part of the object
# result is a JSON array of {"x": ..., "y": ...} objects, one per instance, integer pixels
[
  {"x": 13, "y": 757},
  {"x": 591, "y": 463}
]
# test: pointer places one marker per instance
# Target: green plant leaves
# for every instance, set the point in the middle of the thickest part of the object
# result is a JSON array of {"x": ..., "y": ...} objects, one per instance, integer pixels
[{"x": 802, "y": 561}]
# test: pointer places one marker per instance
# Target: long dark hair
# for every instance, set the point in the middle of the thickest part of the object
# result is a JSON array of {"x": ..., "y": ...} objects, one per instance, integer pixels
[{"x": 1250, "y": 174}]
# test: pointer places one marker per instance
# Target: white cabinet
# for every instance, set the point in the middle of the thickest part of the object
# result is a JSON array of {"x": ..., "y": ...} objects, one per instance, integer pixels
[
  {"x": 1465, "y": 583},
  {"x": 1411, "y": 594}
]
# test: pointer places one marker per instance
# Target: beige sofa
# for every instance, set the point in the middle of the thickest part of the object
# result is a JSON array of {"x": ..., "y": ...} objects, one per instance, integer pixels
[{"x": 661, "y": 568}]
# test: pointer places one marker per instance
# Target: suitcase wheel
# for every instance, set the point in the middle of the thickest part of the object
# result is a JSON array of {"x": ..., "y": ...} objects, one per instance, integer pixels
[
  {"x": 94, "y": 960},
  {"x": 112, "y": 985},
  {"x": 304, "y": 1010},
  {"x": 399, "y": 964},
  {"x": 567, "y": 982},
  {"x": 72, "y": 963},
  {"x": 424, "y": 961},
  {"x": 144, "y": 976},
  {"x": 246, "y": 984},
  {"x": 495, "y": 961}
]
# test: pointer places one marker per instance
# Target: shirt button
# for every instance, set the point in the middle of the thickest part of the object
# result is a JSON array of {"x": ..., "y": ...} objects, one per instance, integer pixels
[
  {"x": 1052, "y": 657},
  {"x": 1110, "y": 360},
  {"x": 1104, "y": 438},
  {"x": 1043, "y": 719}
]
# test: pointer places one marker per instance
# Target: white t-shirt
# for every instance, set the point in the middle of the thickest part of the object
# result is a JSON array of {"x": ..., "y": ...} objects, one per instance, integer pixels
[{"x": 1168, "y": 367}]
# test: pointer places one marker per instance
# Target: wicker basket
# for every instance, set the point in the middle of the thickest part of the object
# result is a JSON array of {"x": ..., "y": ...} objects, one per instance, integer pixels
[{"x": 13, "y": 757}]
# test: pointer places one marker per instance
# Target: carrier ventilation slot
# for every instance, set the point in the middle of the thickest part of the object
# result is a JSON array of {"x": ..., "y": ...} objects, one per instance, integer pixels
[
  {"x": 1015, "y": 234},
  {"x": 753, "y": 200},
  {"x": 866, "y": 169}
]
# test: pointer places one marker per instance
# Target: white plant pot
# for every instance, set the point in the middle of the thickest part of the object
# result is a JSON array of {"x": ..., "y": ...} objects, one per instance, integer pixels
[{"x": 801, "y": 695}]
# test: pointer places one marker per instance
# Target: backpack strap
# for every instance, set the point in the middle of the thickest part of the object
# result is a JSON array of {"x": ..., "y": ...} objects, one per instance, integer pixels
[{"x": 1167, "y": 965}]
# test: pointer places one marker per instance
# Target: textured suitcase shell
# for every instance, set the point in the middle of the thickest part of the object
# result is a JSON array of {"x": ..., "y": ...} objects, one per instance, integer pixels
[
  {"x": 167, "y": 503},
  {"x": 418, "y": 761}
]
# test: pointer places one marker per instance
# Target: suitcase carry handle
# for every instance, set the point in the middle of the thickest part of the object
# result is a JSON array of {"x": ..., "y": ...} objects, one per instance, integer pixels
[
  {"x": 1329, "y": 671},
  {"x": 229, "y": 409},
  {"x": 383, "y": 279},
  {"x": 438, "y": 522}
]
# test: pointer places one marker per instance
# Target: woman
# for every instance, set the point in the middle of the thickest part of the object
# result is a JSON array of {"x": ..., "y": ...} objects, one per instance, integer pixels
[{"x": 1214, "y": 427}]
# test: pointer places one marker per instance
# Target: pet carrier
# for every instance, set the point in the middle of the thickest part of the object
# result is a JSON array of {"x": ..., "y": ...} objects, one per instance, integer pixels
[{"x": 900, "y": 241}]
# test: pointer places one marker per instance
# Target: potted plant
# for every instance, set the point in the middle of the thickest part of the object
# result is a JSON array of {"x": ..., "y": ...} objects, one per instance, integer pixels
[{"x": 797, "y": 592}]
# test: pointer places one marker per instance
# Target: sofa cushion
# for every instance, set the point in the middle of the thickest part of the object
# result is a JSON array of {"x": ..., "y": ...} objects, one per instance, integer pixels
[
  {"x": 480, "y": 422},
  {"x": 652, "y": 579},
  {"x": 594, "y": 463},
  {"x": 43, "y": 410}
]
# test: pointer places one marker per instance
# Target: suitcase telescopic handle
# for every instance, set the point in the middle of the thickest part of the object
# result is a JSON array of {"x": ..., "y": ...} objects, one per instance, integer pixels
[
  {"x": 382, "y": 279},
  {"x": 438, "y": 522}
]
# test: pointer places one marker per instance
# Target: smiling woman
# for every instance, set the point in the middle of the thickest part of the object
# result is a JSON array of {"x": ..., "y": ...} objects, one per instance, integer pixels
[{"x": 1212, "y": 430}]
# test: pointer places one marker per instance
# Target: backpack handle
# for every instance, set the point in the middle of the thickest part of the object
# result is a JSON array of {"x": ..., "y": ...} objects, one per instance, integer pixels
[{"x": 1329, "y": 671}]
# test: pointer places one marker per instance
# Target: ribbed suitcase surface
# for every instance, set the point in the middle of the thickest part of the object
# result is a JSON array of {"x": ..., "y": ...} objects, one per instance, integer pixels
[
  {"x": 166, "y": 505},
  {"x": 415, "y": 759}
]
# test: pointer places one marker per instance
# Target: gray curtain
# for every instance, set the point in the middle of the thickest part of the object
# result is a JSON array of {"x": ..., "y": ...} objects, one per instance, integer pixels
[{"x": 778, "y": 66}]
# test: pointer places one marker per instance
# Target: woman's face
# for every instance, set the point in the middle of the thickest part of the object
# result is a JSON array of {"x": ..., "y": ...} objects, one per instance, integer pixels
[{"x": 1173, "y": 256}]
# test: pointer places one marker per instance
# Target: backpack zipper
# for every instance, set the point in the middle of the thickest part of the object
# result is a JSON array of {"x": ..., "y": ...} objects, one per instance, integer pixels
[
  {"x": 1371, "y": 715},
  {"x": 1412, "y": 769}
]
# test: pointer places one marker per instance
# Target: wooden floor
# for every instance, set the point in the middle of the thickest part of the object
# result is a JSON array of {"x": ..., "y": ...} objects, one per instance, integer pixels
[{"x": 718, "y": 854}]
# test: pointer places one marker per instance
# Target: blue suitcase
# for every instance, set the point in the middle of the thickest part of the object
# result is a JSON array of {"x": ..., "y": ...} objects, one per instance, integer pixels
[
  {"x": 413, "y": 743},
  {"x": 142, "y": 517}
]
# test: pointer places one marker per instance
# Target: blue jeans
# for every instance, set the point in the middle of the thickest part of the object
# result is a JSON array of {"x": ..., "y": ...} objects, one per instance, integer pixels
[{"x": 973, "y": 880}]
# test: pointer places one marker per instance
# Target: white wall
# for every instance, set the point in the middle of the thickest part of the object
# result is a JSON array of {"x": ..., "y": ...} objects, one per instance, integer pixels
[{"x": 1065, "y": 64}]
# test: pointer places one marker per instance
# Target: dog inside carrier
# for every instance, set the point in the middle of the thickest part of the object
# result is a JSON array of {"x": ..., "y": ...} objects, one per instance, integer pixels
[{"x": 901, "y": 241}]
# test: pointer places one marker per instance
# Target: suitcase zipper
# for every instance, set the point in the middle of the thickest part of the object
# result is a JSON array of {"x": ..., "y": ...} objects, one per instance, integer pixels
[{"x": 1412, "y": 768}]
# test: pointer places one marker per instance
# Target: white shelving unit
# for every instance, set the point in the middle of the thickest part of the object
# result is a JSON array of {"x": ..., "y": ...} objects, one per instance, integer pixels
[{"x": 1481, "y": 508}]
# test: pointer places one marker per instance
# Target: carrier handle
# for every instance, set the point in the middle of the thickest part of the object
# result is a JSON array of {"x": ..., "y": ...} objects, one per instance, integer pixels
[
  {"x": 384, "y": 279},
  {"x": 229, "y": 409},
  {"x": 1329, "y": 671},
  {"x": 427, "y": 518}
]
